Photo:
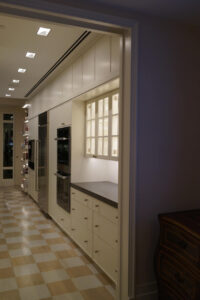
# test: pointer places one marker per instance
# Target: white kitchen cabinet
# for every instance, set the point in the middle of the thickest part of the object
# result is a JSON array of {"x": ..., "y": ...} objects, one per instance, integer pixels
[{"x": 94, "y": 227}]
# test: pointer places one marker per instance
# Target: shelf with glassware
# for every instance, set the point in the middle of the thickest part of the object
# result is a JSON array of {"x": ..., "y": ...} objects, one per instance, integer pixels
[{"x": 24, "y": 159}]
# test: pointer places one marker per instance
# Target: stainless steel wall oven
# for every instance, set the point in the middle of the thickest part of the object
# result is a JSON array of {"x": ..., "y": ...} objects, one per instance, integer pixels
[{"x": 63, "y": 167}]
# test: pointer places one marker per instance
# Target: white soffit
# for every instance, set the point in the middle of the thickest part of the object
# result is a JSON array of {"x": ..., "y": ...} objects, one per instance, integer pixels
[{"x": 17, "y": 37}]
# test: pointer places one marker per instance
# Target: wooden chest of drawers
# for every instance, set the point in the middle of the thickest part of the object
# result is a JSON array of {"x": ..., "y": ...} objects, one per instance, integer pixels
[{"x": 178, "y": 256}]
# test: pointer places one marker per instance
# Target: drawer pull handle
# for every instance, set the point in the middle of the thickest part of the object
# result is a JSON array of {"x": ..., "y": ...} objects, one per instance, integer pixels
[
  {"x": 85, "y": 241},
  {"x": 85, "y": 199},
  {"x": 85, "y": 218},
  {"x": 96, "y": 251},
  {"x": 97, "y": 205},
  {"x": 96, "y": 226},
  {"x": 179, "y": 278},
  {"x": 73, "y": 208}
]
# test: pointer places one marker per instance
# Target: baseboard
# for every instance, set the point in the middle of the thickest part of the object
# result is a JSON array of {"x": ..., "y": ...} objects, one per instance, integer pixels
[{"x": 147, "y": 291}]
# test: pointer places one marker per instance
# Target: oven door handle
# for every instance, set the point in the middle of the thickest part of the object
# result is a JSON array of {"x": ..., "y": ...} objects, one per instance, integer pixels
[
  {"x": 61, "y": 176},
  {"x": 61, "y": 139}
]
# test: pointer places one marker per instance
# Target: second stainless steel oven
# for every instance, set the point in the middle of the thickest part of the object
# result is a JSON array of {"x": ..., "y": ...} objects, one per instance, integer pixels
[{"x": 63, "y": 173}]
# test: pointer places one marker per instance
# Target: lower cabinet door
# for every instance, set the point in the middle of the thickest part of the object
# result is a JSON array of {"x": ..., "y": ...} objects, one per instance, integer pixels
[{"x": 106, "y": 257}]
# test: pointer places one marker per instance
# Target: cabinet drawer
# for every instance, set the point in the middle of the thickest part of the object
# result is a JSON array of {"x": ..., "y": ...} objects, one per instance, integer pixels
[
  {"x": 82, "y": 237},
  {"x": 182, "y": 242},
  {"x": 83, "y": 198},
  {"x": 81, "y": 214},
  {"x": 106, "y": 257},
  {"x": 178, "y": 277},
  {"x": 105, "y": 229},
  {"x": 107, "y": 211}
]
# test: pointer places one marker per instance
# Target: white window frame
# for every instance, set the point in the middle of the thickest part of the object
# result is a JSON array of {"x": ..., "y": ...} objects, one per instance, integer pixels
[{"x": 96, "y": 155}]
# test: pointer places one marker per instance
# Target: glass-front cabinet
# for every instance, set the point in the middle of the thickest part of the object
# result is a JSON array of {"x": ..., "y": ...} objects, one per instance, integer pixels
[{"x": 102, "y": 126}]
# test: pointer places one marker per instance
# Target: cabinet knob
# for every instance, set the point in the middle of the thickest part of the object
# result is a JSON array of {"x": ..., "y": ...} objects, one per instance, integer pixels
[
  {"x": 96, "y": 226},
  {"x": 96, "y": 251},
  {"x": 116, "y": 271},
  {"x": 85, "y": 241},
  {"x": 97, "y": 205},
  {"x": 117, "y": 217},
  {"x": 116, "y": 241},
  {"x": 73, "y": 193},
  {"x": 73, "y": 229},
  {"x": 62, "y": 219},
  {"x": 85, "y": 199},
  {"x": 73, "y": 208},
  {"x": 85, "y": 218}
]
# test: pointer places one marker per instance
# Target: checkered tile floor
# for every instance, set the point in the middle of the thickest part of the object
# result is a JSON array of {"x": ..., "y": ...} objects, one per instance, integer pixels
[{"x": 37, "y": 261}]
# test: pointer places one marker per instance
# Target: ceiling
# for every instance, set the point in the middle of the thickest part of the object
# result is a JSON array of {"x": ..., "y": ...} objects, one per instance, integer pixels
[{"x": 17, "y": 36}]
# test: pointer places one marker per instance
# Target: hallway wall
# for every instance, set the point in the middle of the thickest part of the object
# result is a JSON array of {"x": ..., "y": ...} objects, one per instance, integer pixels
[{"x": 168, "y": 134}]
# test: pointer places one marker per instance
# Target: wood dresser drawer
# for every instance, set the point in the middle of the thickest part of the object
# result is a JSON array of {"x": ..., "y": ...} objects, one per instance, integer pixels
[
  {"x": 178, "y": 256},
  {"x": 178, "y": 277},
  {"x": 182, "y": 242}
]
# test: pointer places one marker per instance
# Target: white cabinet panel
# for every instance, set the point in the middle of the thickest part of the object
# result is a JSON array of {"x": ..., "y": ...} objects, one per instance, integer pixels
[
  {"x": 102, "y": 58},
  {"x": 105, "y": 257},
  {"x": 105, "y": 210},
  {"x": 66, "y": 79},
  {"x": 115, "y": 54},
  {"x": 77, "y": 75},
  {"x": 89, "y": 67}
]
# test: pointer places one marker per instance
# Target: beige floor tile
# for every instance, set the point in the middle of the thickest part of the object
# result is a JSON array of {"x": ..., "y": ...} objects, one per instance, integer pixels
[
  {"x": 55, "y": 275},
  {"x": 55, "y": 241},
  {"x": 66, "y": 253},
  {"x": 86, "y": 282},
  {"x": 16, "y": 246},
  {"x": 6, "y": 272},
  {"x": 13, "y": 234},
  {"x": 10, "y": 295},
  {"x": 79, "y": 271},
  {"x": 69, "y": 296},
  {"x": 22, "y": 260},
  {"x": 4, "y": 254},
  {"x": 99, "y": 293},
  {"x": 61, "y": 287},
  {"x": 48, "y": 266},
  {"x": 14, "y": 225},
  {"x": 34, "y": 237},
  {"x": 42, "y": 249},
  {"x": 2, "y": 241},
  {"x": 29, "y": 280}
]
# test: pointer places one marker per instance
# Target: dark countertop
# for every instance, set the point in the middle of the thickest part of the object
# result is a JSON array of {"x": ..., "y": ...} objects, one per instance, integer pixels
[{"x": 103, "y": 190}]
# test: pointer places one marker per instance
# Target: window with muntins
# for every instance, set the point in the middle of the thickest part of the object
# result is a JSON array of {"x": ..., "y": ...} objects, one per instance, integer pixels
[{"x": 102, "y": 126}]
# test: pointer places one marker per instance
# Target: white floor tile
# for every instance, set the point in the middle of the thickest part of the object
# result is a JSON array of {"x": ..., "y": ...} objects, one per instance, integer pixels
[
  {"x": 86, "y": 282},
  {"x": 72, "y": 262},
  {"x": 8, "y": 284},
  {"x": 35, "y": 292},
  {"x": 26, "y": 269},
  {"x": 52, "y": 235},
  {"x": 55, "y": 275},
  {"x": 36, "y": 243},
  {"x": 60, "y": 247},
  {"x": 19, "y": 252},
  {"x": 42, "y": 257}
]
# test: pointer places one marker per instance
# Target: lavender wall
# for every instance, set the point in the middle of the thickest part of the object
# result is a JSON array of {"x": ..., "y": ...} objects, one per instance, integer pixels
[{"x": 168, "y": 131}]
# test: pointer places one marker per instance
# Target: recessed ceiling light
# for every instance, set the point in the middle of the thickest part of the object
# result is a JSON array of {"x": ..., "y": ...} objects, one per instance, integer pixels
[
  {"x": 30, "y": 54},
  {"x": 43, "y": 31},
  {"x": 11, "y": 89},
  {"x": 15, "y": 81},
  {"x": 7, "y": 95},
  {"x": 20, "y": 70}
]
